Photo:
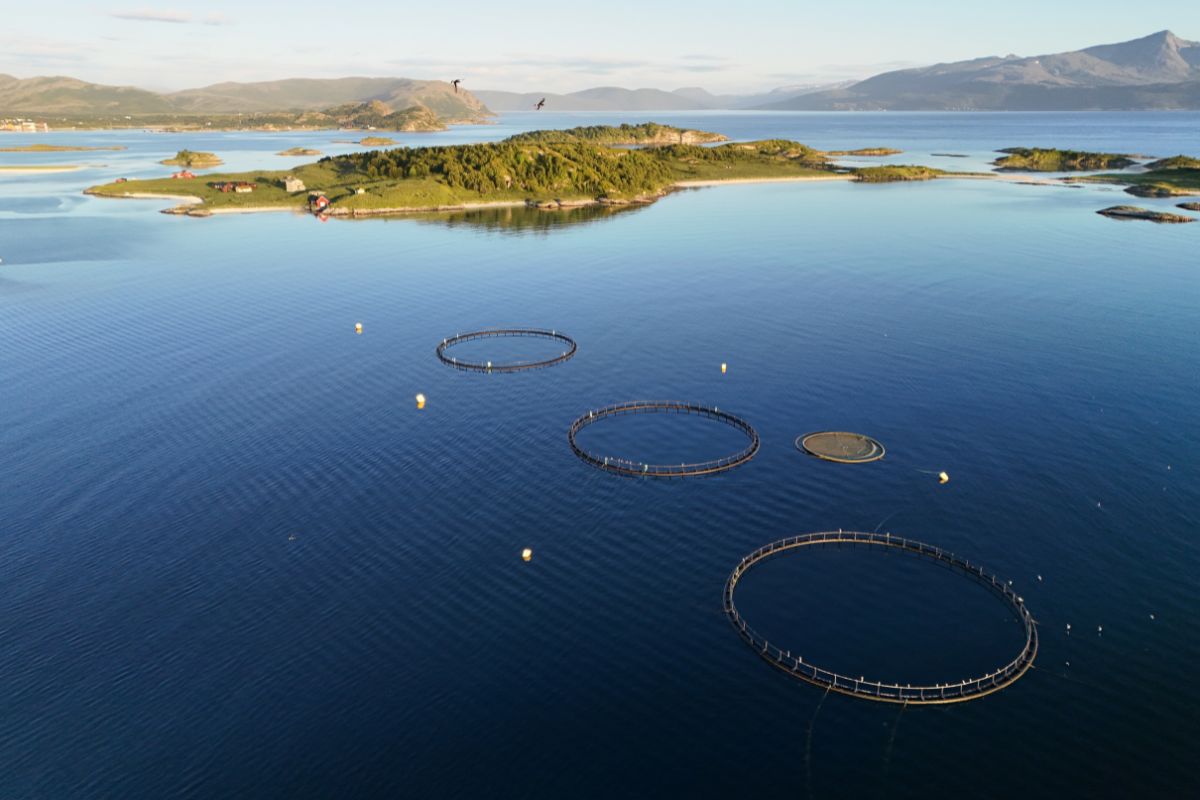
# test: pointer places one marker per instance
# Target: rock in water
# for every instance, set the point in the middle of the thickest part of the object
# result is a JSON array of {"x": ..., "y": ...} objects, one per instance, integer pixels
[{"x": 1133, "y": 212}]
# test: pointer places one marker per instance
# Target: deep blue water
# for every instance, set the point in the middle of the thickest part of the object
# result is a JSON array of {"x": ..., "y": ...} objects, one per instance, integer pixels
[{"x": 237, "y": 560}]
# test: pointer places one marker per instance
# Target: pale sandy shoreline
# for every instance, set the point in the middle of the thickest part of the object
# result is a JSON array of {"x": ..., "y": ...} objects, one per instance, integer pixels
[
  {"x": 793, "y": 179},
  {"x": 186, "y": 199},
  {"x": 38, "y": 170}
]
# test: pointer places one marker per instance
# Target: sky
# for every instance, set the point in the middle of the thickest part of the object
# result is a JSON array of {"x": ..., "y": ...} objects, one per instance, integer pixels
[{"x": 548, "y": 46}]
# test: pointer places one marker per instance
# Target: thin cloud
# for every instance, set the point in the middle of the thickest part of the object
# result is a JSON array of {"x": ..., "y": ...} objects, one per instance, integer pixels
[
  {"x": 169, "y": 15},
  {"x": 150, "y": 15}
]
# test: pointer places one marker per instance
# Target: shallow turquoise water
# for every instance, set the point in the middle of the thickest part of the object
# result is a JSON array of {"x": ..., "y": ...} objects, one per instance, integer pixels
[{"x": 238, "y": 560}]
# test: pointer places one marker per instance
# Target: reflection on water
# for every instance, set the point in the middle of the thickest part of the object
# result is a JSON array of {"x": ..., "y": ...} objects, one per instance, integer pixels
[{"x": 521, "y": 219}]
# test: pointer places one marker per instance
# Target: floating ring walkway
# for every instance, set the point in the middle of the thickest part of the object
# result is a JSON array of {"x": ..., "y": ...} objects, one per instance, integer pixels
[
  {"x": 930, "y": 694},
  {"x": 490, "y": 333},
  {"x": 626, "y": 467},
  {"x": 841, "y": 446}
]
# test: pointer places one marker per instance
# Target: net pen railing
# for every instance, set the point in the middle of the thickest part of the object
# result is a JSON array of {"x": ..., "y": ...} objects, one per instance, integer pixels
[
  {"x": 514, "y": 366},
  {"x": 894, "y": 692},
  {"x": 628, "y": 466}
]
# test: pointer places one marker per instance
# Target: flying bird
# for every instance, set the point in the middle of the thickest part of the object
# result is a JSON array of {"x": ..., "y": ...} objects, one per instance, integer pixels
[
  {"x": 455, "y": 83},
  {"x": 539, "y": 104}
]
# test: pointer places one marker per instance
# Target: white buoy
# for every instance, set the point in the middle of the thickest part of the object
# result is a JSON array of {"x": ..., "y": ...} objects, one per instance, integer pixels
[
  {"x": 358, "y": 327},
  {"x": 724, "y": 367},
  {"x": 527, "y": 554},
  {"x": 420, "y": 401},
  {"x": 1039, "y": 578},
  {"x": 943, "y": 477}
]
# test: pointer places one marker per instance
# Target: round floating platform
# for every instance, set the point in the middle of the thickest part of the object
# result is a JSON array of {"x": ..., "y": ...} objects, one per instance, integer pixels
[
  {"x": 881, "y": 691},
  {"x": 841, "y": 446},
  {"x": 535, "y": 333},
  {"x": 623, "y": 466}
]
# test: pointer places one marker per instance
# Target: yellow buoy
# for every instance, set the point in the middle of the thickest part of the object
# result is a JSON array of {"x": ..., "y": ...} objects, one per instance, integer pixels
[
  {"x": 943, "y": 477},
  {"x": 724, "y": 367},
  {"x": 358, "y": 327},
  {"x": 420, "y": 401},
  {"x": 527, "y": 554}
]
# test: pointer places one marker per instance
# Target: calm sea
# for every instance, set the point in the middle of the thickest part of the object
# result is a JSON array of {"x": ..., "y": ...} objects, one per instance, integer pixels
[{"x": 237, "y": 561}]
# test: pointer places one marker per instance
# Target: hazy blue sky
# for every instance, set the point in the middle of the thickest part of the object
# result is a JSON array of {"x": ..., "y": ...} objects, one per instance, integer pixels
[{"x": 552, "y": 46}]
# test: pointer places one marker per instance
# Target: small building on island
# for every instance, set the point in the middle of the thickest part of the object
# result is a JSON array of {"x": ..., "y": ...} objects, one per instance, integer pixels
[
  {"x": 241, "y": 187},
  {"x": 317, "y": 202},
  {"x": 293, "y": 184}
]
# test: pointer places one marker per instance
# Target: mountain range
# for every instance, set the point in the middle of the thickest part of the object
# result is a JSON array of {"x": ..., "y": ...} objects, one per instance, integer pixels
[
  {"x": 1160, "y": 71},
  {"x": 614, "y": 98}
]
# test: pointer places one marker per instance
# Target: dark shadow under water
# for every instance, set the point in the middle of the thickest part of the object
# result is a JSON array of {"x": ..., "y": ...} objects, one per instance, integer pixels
[{"x": 519, "y": 220}]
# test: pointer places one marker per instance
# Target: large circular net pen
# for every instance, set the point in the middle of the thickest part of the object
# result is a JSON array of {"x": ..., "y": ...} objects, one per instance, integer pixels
[
  {"x": 841, "y": 446},
  {"x": 878, "y": 690},
  {"x": 625, "y": 466},
  {"x": 566, "y": 342}
]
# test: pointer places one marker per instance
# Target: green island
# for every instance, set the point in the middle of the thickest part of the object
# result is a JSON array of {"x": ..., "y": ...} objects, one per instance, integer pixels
[
  {"x": 1174, "y": 162},
  {"x": 55, "y": 148},
  {"x": 376, "y": 141},
  {"x": 1189, "y": 206},
  {"x": 299, "y": 151},
  {"x": 896, "y": 173},
  {"x": 1178, "y": 176},
  {"x": 1134, "y": 212},
  {"x": 865, "y": 151},
  {"x": 540, "y": 169},
  {"x": 1035, "y": 159},
  {"x": 192, "y": 158},
  {"x": 546, "y": 169}
]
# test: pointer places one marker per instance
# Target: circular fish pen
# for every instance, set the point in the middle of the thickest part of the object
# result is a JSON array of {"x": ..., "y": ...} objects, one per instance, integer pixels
[
  {"x": 882, "y": 691},
  {"x": 841, "y": 446},
  {"x": 517, "y": 366},
  {"x": 624, "y": 466}
]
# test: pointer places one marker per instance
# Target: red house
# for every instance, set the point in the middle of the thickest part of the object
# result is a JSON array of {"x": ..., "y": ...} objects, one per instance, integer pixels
[{"x": 184, "y": 173}]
